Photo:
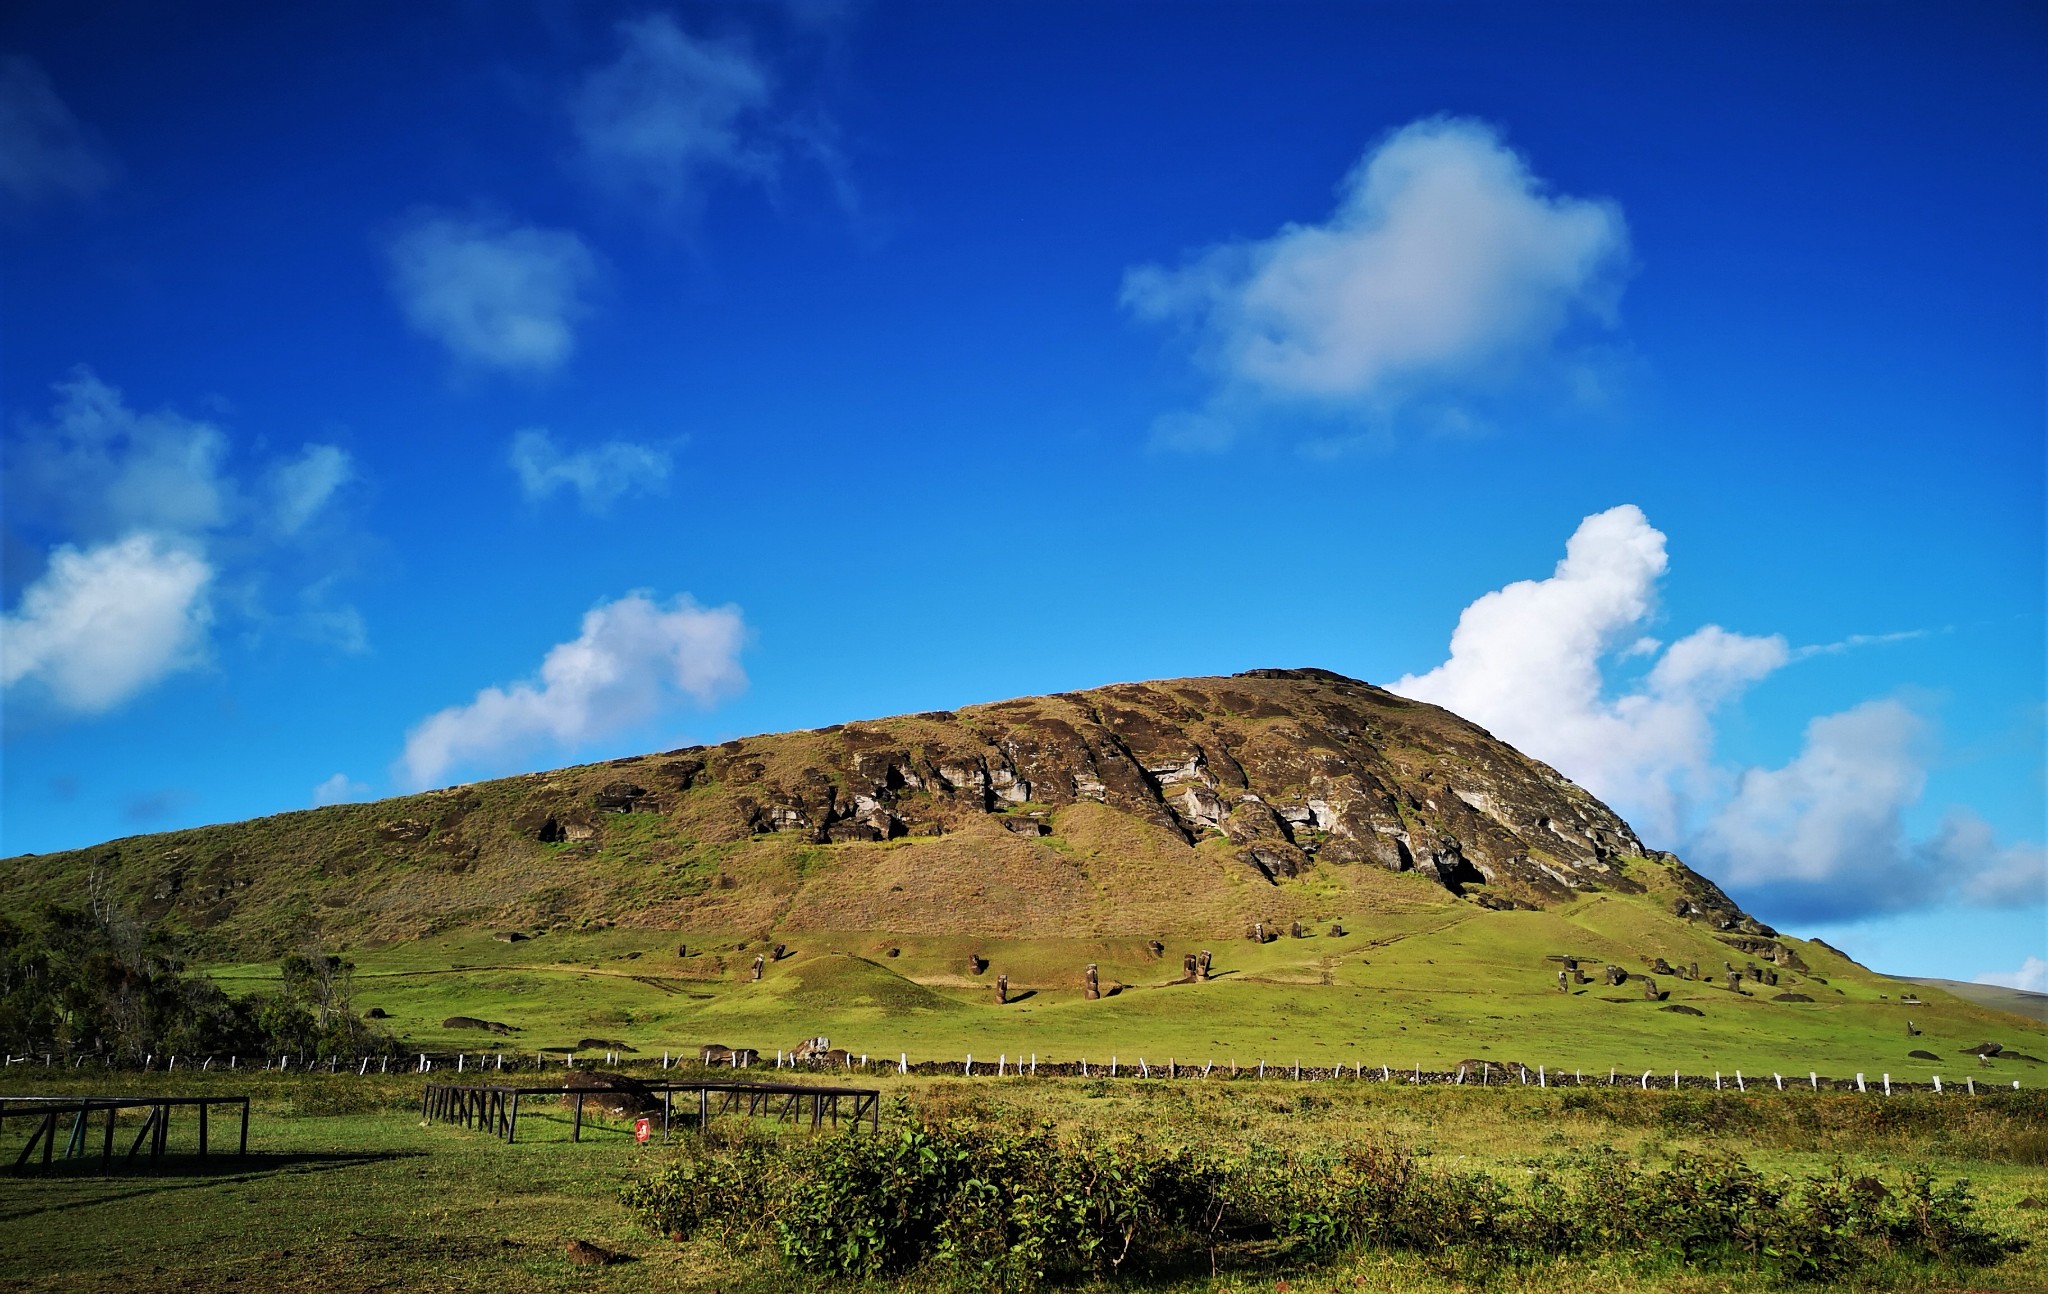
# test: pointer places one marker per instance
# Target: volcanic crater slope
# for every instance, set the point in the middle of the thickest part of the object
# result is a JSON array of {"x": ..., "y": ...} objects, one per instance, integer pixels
[{"x": 1187, "y": 805}]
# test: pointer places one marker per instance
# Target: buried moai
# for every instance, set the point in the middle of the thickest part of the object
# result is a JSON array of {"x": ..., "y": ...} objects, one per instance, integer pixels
[
  {"x": 1661, "y": 967},
  {"x": 1735, "y": 981},
  {"x": 1202, "y": 965},
  {"x": 1158, "y": 949},
  {"x": 1002, "y": 990},
  {"x": 976, "y": 963},
  {"x": 759, "y": 961},
  {"x": 1692, "y": 971},
  {"x": 1651, "y": 992},
  {"x": 1295, "y": 931},
  {"x": 1563, "y": 983},
  {"x": 1187, "y": 967},
  {"x": 1616, "y": 975},
  {"x": 1094, "y": 988}
]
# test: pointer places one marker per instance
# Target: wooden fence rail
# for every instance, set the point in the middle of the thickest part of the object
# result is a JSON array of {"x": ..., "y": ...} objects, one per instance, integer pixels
[
  {"x": 45, "y": 1111},
  {"x": 494, "y": 1107}
]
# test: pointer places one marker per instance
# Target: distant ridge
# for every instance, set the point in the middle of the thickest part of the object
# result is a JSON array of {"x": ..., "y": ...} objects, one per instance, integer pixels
[{"x": 1199, "y": 806}]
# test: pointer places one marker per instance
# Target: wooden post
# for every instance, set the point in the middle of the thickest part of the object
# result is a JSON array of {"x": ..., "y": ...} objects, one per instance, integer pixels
[
  {"x": 576, "y": 1130},
  {"x": 203, "y": 1108},
  {"x": 512, "y": 1122},
  {"x": 242, "y": 1148}
]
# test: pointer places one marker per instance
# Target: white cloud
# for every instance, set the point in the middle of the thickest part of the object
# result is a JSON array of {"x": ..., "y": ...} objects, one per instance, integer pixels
[
  {"x": 1445, "y": 262},
  {"x": 339, "y": 789},
  {"x": 2031, "y": 976},
  {"x": 671, "y": 109},
  {"x": 45, "y": 153},
  {"x": 599, "y": 475},
  {"x": 496, "y": 295},
  {"x": 149, "y": 532},
  {"x": 100, "y": 469},
  {"x": 632, "y": 658},
  {"x": 1525, "y": 662},
  {"x": 104, "y": 623},
  {"x": 300, "y": 487},
  {"x": 1824, "y": 837}
]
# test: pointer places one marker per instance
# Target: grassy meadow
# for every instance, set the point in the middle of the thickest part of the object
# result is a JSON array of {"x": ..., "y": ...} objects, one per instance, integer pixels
[
  {"x": 1429, "y": 987},
  {"x": 348, "y": 1190}
]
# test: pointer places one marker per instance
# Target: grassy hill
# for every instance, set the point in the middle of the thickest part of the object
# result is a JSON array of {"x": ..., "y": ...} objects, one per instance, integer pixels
[{"x": 1032, "y": 838}]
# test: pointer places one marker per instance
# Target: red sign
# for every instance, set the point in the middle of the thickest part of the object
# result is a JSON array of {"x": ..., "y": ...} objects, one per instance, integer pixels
[{"x": 643, "y": 1129}]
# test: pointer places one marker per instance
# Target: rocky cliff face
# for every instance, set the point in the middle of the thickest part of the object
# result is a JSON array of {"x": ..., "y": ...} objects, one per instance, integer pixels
[
  {"x": 1223, "y": 783},
  {"x": 1294, "y": 768}
]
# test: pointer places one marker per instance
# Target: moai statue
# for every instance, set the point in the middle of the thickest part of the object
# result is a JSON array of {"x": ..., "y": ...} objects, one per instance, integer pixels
[
  {"x": 1296, "y": 931},
  {"x": 1002, "y": 990},
  {"x": 1650, "y": 990},
  {"x": 1094, "y": 989},
  {"x": 1563, "y": 986},
  {"x": 1735, "y": 981},
  {"x": 1336, "y": 931},
  {"x": 781, "y": 951},
  {"x": 1771, "y": 978},
  {"x": 682, "y": 950},
  {"x": 1158, "y": 949},
  {"x": 1259, "y": 931},
  {"x": 1580, "y": 977},
  {"x": 759, "y": 961},
  {"x": 1693, "y": 971},
  {"x": 1202, "y": 965},
  {"x": 1662, "y": 967},
  {"x": 1616, "y": 975},
  {"x": 1187, "y": 966},
  {"x": 1756, "y": 974},
  {"x": 976, "y": 963},
  {"x": 1571, "y": 963}
]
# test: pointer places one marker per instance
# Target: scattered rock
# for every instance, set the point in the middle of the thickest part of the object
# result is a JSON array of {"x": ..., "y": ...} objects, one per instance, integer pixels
[
  {"x": 471, "y": 1022},
  {"x": 1679, "y": 1008},
  {"x": 376, "y": 1013},
  {"x": 1790, "y": 997},
  {"x": 1984, "y": 1049},
  {"x": 1917, "y": 1054},
  {"x": 509, "y": 937},
  {"x": 585, "y": 1254},
  {"x": 1027, "y": 826},
  {"x": 602, "y": 1044}
]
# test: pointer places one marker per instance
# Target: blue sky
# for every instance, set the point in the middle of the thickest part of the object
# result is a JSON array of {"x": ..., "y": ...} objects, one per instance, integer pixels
[{"x": 454, "y": 390}]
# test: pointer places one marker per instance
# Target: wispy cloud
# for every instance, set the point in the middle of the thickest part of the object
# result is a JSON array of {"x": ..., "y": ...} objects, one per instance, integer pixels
[
  {"x": 671, "y": 111},
  {"x": 632, "y": 658},
  {"x": 1447, "y": 262},
  {"x": 46, "y": 153},
  {"x": 599, "y": 475},
  {"x": 143, "y": 519},
  {"x": 494, "y": 294},
  {"x": 340, "y": 789},
  {"x": 1822, "y": 837},
  {"x": 2031, "y": 976}
]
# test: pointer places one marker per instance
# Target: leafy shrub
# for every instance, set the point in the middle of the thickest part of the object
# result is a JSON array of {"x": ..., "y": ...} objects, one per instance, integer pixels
[{"x": 998, "y": 1207}]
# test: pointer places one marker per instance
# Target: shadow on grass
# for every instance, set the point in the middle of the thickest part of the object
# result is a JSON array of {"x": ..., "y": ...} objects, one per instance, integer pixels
[{"x": 173, "y": 1173}]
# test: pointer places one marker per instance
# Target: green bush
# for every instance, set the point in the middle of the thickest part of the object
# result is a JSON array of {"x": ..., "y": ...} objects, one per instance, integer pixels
[{"x": 996, "y": 1207}]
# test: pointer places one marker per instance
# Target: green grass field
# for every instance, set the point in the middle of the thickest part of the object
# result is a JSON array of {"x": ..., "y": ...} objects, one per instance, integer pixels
[
  {"x": 1430, "y": 987},
  {"x": 348, "y": 1190}
]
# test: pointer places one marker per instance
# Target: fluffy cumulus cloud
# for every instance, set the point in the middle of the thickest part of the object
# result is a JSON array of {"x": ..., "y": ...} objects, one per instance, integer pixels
[
  {"x": 598, "y": 476},
  {"x": 1446, "y": 261},
  {"x": 137, "y": 509},
  {"x": 1526, "y": 662},
  {"x": 46, "y": 153},
  {"x": 1822, "y": 838},
  {"x": 104, "y": 623},
  {"x": 669, "y": 112},
  {"x": 496, "y": 295},
  {"x": 2032, "y": 976},
  {"x": 633, "y": 658}
]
